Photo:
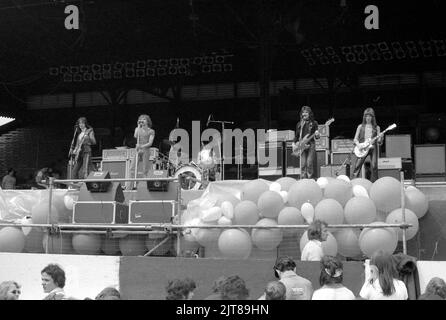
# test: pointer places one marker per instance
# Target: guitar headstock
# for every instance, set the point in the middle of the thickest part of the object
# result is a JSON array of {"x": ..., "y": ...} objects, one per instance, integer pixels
[
  {"x": 329, "y": 121},
  {"x": 391, "y": 127}
]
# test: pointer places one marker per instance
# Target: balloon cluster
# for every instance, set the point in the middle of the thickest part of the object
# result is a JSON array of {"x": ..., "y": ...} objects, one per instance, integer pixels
[{"x": 291, "y": 202}]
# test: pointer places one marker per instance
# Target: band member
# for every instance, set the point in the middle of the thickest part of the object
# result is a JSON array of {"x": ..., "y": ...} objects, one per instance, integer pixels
[
  {"x": 80, "y": 150},
  {"x": 307, "y": 126},
  {"x": 144, "y": 135},
  {"x": 368, "y": 130}
]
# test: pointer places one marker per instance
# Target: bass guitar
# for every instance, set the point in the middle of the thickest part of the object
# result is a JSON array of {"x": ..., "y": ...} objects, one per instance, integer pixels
[
  {"x": 362, "y": 149},
  {"x": 304, "y": 143}
]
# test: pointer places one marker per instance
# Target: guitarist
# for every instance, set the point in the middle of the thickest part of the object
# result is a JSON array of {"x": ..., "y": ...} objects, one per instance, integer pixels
[
  {"x": 368, "y": 129},
  {"x": 307, "y": 126},
  {"x": 80, "y": 152}
]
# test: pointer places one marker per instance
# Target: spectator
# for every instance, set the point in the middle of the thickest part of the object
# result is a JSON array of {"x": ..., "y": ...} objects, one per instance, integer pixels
[
  {"x": 216, "y": 289},
  {"x": 42, "y": 177},
  {"x": 330, "y": 280},
  {"x": 275, "y": 290},
  {"x": 9, "y": 180},
  {"x": 381, "y": 279},
  {"x": 53, "y": 281},
  {"x": 297, "y": 288},
  {"x": 9, "y": 290},
  {"x": 108, "y": 293},
  {"x": 317, "y": 232},
  {"x": 234, "y": 288},
  {"x": 180, "y": 289},
  {"x": 435, "y": 290}
]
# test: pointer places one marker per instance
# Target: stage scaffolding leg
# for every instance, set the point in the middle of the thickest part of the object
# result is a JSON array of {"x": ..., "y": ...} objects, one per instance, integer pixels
[
  {"x": 403, "y": 211},
  {"x": 50, "y": 212},
  {"x": 180, "y": 222}
]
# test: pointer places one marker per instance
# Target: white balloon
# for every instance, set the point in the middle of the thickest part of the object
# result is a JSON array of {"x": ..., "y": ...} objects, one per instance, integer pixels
[
  {"x": 284, "y": 195},
  {"x": 68, "y": 201},
  {"x": 307, "y": 211},
  {"x": 212, "y": 214},
  {"x": 224, "y": 221},
  {"x": 26, "y": 220},
  {"x": 322, "y": 182},
  {"x": 190, "y": 233},
  {"x": 275, "y": 186},
  {"x": 343, "y": 177},
  {"x": 411, "y": 188},
  {"x": 228, "y": 209},
  {"x": 360, "y": 191}
]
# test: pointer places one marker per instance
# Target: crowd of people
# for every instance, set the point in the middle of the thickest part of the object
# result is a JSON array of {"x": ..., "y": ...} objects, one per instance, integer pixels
[{"x": 381, "y": 282}]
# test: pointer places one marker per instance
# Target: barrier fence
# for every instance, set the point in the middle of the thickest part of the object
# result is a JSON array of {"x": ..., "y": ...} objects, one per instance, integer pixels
[{"x": 176, "y": 229}]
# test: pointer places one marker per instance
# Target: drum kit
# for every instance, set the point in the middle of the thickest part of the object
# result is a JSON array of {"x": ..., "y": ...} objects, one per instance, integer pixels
[{"x": 193, "y": 176}]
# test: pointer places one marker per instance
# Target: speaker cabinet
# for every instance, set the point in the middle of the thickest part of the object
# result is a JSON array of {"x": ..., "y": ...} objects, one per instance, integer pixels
[
  {"x": 100, "y": 212},
  {"x": 334, "y": 171},
  {"x": 338, "y": 158},
  {"x": 430, "y": 160},
  {"x": 151, "y": 211},
  {"x": 399, "y": 146}
]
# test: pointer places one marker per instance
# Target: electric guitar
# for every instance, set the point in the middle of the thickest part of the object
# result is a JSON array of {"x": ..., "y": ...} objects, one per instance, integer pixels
[
  {"x": 304, "y": 144},
  {"x": 362, "y": 149},
  {"x": 77, "y": 151}
]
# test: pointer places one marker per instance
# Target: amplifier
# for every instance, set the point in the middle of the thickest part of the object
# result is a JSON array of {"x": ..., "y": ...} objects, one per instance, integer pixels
[
  {"x": 118, "y": 154},
  {"x": 100, "y": 212},
  {"x": 338, "y": 158},
  {"x": 118, "y": 169},
  {"x": 271, "y": 152},
  {"x": 389, "y": 163},
  {"x": 323, "y": 143},
  {"x": 281, "y": 135},
  {"x": 324, "y": 130},
  {"x": 395, "y": 173},
  {"x": 342, "y": 145},
  {"x": 151, "y": 211},
  {"x": 334, "y": 171}
]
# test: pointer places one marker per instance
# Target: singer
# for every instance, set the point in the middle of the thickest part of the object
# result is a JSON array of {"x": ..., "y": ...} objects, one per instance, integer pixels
[
  {"x": 80, "y": 151},
  {"x": 144, "y": 135},
  {"x": 307, "y": 126}
]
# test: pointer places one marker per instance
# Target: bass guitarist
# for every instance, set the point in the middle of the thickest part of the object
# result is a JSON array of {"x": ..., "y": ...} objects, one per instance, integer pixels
[
  {"x": 80, "y": 151},
  {"x": 368, "y": 130},
  {"x": 307, "y": 126}
]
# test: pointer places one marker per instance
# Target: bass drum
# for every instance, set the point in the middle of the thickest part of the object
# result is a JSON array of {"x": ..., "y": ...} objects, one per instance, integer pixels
[{"x": 191, "y": 177}]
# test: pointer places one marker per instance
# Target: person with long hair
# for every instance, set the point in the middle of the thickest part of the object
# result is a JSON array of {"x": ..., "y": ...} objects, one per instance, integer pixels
[
  {"x": 381, "y": 279},
  {"x": 307, "y": 126},
  {"x": 144, "y": 135},
  {"x": 330, "y": 280},
  {"x": 317, "y": 233},
  {"x": 368, "y": 129},
  {"x": 9, "y": 290},
  {"x": 80, "y": 151}
]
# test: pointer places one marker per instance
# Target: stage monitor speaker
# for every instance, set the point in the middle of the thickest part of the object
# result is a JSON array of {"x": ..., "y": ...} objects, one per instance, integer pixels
[
  {"x": 157, "y": 185},
  {"x": 110, "y": 191},
  {"x": 143, "y": 192},
  {"x": 399, "y": 146},
  {"x": 100, "y": 212},
  {"x": 96, "y": 186},
  {"x": 430, "y": 159}
]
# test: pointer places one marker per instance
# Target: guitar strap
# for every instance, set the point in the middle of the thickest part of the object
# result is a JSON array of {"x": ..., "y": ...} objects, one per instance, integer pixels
[{"x": 302, "y": 123}]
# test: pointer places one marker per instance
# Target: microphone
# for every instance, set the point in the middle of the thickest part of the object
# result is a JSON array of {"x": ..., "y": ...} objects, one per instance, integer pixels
[{"x": 209, "y": 120}]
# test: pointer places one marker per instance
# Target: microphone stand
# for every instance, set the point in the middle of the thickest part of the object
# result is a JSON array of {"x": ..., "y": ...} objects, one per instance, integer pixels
[
  {"x": 70, "y": 160},
  {"x": 222, "y": 158},
  {"x": 136, "y": 157}
]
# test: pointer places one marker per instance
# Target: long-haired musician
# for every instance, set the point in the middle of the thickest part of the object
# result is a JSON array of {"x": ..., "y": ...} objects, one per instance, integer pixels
[
  {"x": 368, "y": 129},
  {"x": 307, "y": 126},
  {"x": 144, "y": 135},
  {"x": 80, "y": 150}
]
